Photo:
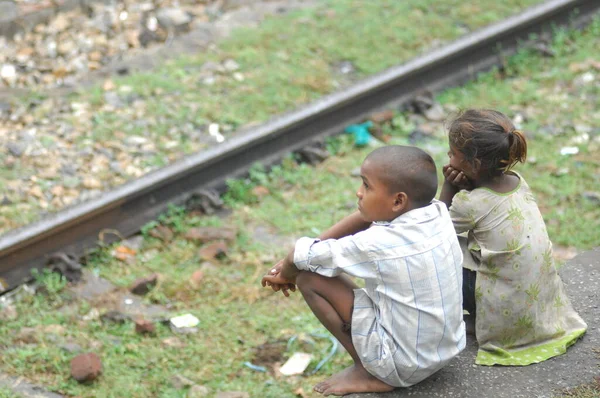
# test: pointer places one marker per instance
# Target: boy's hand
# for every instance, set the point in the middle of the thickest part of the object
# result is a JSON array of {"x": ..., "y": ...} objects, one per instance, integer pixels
[
  {"x": 457, "y": 178},
  {"x": 274, "y": 279}
]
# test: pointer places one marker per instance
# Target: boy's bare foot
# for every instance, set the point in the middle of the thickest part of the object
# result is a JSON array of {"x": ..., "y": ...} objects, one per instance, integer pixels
[{"x": 352, "y": 380}]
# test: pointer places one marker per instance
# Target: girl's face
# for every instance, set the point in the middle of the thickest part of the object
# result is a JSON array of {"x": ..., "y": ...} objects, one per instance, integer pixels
[
  {"x": 375, "y": 202},
  {"x": 458, "y": 162}
]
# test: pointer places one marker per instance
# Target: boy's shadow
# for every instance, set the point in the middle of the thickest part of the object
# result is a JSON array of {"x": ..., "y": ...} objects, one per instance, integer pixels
[{"x": 462, "y": 378}]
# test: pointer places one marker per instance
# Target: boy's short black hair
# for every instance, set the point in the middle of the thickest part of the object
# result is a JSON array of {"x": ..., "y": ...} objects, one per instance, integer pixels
[{"x": 407, "y": 169}]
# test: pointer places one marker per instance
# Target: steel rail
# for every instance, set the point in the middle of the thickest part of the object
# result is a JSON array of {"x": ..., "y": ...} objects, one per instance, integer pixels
[{"x": 130, "y": 206}]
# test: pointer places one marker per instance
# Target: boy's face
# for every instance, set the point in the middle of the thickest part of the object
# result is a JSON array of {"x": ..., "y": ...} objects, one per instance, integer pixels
[{"x": 375, "y": 201}]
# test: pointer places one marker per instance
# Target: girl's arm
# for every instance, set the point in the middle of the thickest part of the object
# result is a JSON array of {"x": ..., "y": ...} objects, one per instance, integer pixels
[
  {"x": 454, "y": 181},
  {"x": 448, "y": 192}
]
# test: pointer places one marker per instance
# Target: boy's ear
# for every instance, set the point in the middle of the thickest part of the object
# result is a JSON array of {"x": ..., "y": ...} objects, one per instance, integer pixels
[{"x": 400, "y": 202}]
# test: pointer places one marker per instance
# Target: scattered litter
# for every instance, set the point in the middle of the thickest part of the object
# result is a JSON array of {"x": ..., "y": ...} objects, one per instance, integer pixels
[
  {"x": 581, "y": 139},
  {"x": 361, "y": 133},
  {"x": 124, "y": 253},
  {"x": 213, "y": 130},
  {"x": 297, "y": 363},
  {"x": 569, "y": 150},
  {"x": 128, "y": 301},
  {"x": 255, "y": 367},
  {"x": 184, "y": 324},
  {"x": 332, "y": 351}
]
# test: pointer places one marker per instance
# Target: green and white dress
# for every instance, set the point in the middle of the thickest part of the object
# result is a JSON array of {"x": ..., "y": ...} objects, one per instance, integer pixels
[{"x": 523, "y": 315}]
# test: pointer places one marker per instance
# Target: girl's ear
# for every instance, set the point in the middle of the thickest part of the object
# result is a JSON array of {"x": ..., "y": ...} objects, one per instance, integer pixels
[
  {"x": 476, "y": 166},
  {"x": 400, "y": 202}
]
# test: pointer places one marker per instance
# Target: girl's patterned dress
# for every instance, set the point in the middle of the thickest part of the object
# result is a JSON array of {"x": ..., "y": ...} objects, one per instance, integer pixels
[{"x": 523, "y": 315}]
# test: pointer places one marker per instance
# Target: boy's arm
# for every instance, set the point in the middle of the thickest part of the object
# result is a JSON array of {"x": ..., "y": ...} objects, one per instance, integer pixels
[{"x": 348, "y": 225}]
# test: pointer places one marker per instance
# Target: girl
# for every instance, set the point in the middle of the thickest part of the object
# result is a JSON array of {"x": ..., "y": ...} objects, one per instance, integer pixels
[{"x": 510, "y": 283}]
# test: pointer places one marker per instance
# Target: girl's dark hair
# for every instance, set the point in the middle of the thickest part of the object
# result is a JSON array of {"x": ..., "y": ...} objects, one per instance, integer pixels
[{"x": 490, "y": 137}]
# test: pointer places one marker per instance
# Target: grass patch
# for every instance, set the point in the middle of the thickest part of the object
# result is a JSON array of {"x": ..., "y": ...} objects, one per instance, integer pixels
[{"x": 236, "y": 314}]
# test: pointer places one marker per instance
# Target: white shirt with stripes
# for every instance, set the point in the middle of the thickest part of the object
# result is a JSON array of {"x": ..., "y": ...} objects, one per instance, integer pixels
[{"x": 407, "y": 322}]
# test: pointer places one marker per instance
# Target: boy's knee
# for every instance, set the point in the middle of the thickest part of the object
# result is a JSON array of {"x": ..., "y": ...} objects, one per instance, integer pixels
[{"x": 304, "y": 280}]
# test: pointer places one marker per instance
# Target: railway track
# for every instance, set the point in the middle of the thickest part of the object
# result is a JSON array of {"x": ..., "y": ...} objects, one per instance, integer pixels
[{"x": 75, "y": 230}]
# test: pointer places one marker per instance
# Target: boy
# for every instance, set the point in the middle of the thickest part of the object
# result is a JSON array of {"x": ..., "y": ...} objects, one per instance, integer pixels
[{"x": 406, "y": 323}]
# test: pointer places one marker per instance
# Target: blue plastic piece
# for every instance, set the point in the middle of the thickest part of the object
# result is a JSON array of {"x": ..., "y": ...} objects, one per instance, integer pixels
[
  {"x": 255, "y": 367},
  {"x": 362, "y": 137}
]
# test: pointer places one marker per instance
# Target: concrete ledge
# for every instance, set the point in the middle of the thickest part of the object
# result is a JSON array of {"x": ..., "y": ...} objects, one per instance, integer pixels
[{"x": 462, "y": 378}]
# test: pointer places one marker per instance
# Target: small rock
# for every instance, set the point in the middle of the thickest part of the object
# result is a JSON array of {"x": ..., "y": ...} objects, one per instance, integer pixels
[
  {"x": 27, "y": 336},
  {"x": 382, "y": 117},
  {"x": 260, "y": 191},
  {"x": 143, "y": 285},
  {"x": 593, "y": 197},
  {"x": 198, "y": 391},
  {"x": 114, "y": 317},
  {"x": 86, "y": 367},
  {"x": 8, "y": 312},
  {"x": 213, "y": 250},
  {"x": 230, "y": 65},
  {"x": 15, "y": 148},
  {"x": 144, "y": 326},
  {"x": 113, "y": 99},
  {"x": 179, "y": 382},
  {"x": 172, "y": 18},
  {"x": 92, "y": 315},
  {"x": 173, "y": 342},
  {"x": 232, "y": 394},
  {"x": 71, "y": 348},
  {"x": 162, "y": 232},
  {"x": 346, "y": 67},
  {"x": 436, "y": 113},
  {"x": 55, "y": 329},
  {"x": 134, "y": 243},
  {"x": 207, "y": 234},
  {"x": 197, "y": 278},
  {"x": 92, "y": 183}
]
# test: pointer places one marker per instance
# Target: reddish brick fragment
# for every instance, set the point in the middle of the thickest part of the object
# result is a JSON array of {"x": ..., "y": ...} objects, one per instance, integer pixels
[
  {"x": 197, "y": 277},
  {"x": 144, "y": 326},
  {"x": 213, "y": 250},
  {"x": 208, "y": 234},
  {"x": 86, "y": 367}
]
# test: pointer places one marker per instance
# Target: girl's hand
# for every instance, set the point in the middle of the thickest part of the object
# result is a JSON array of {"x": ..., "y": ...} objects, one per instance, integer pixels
[{"x": 457, "y": 178}]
